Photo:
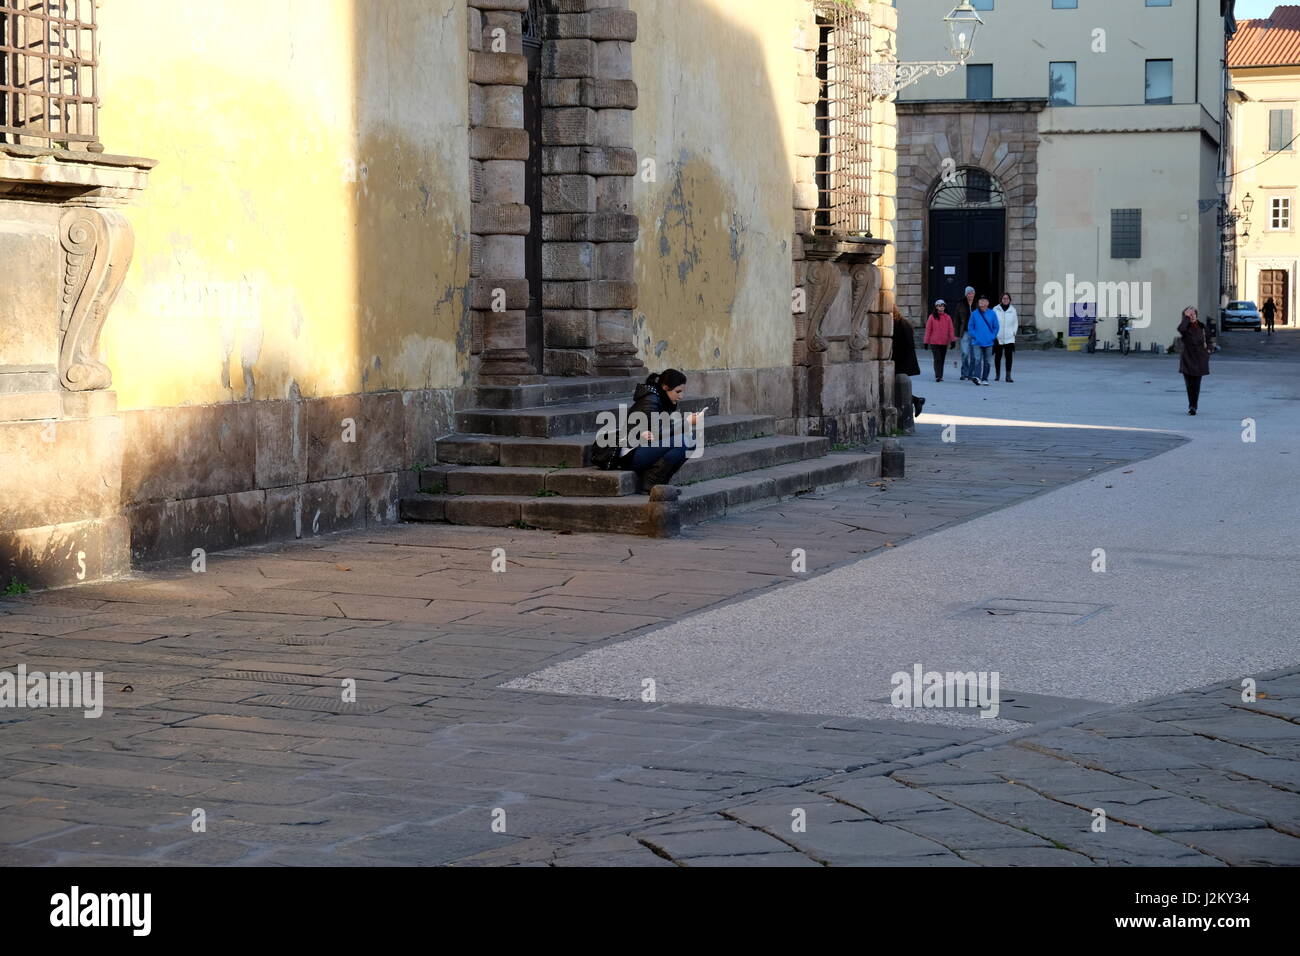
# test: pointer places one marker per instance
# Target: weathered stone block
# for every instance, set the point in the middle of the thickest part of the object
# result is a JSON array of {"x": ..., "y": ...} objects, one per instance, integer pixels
[
  {"x": 616, "y": 261},
  {"x": 65, "y": 554},
  {"x": 614, "y": 326},
  {"x": 568, "y": 260},
  {"x": 382, "y": 495},
  {"x": 503, "y": 106},
  {"x": 569, "y": 328},
  {"x": 613, "y": 60},
  {"x": 503, "y": 181},
  {"x": 503, "y": 31},
  {"x": 490, "y": 142},
  {"x": 505, "y": 330},
  {"x": 281, "y": 446},
  {"x": 573, "y": 58},
  {"x": 488, "y": 512},
  {"x": 614, "y": 193},
  {"x": 248, "y": 518},
  {"x": 427, "y": 415},
  {"x": 353, "y": 435},
  {"x": 54, "y": 473},
  {"x": 603, "y": 24},
  {"x": 569, "y": 362},
  {"x": 613, "y": 128},
  {"x": 568, "y": 126},
  {"x": 329, "y": 506},
  {"x": 571, "y": 194},
  {"x": 513, "y": 293},
  {"x": 504, "y": 256},
  {"x": 498, "y": 69},
  {"x": 172, "y": 529},
  {"x": 188, "y": 452},
  {"x": 589, "y": 295},
  {"x": 488, "y": 219},
  {"x": 597, "y": 227}
]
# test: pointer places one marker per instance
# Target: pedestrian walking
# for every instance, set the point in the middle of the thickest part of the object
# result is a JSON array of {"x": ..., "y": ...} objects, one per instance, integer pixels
[
  {"x": 1005, "y": 346},
  {"x": 1194, "y": 362},
  {"x": 939, "y": 336},
  {"x": 983, "y": 332},
  {"x": 1270, "y": 312},
  {"x": 905, "y": 355},
  {"x": 961, "y": 319},
  {"x": 654, "y": 459}
]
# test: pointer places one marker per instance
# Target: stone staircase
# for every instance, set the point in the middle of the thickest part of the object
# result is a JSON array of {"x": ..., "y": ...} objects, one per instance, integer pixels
[{"x": 521, "y": 458}]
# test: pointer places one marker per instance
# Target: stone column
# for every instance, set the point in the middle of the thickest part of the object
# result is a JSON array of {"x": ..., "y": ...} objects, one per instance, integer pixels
[
  {"x": 588, "y": 165},
  {"x": 64, "y": 251},
  {"x": 499, "y": 218}
]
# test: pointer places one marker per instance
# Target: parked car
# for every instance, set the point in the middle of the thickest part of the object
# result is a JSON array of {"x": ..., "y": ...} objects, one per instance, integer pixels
[{"x": 1241, "y": 314}]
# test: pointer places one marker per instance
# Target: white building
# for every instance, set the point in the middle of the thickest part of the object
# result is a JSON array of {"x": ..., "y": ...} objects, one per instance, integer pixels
[{"x": 1080, "y": 145}]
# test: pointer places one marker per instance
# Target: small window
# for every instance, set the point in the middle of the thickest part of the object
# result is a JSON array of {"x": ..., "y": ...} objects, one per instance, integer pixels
[
  {"x": 979, "y": 81},
  {"x": 1279, "y": 213},
  {"x": 1160, "y": 82},
  {"x": 982, "y": 4},
  {"x": 1065, "y": 4},
  {"x": 1061, "y": 82},
  {"x": 1126, "y": 233},
  {"x": 1158, "y": 3},
  {"x": 1279, "y": 131}
]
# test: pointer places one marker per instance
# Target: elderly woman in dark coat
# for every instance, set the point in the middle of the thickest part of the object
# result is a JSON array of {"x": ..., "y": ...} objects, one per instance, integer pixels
[
  {"x": 905, "y": 355},
  {"x": 1194, "y": 362}
]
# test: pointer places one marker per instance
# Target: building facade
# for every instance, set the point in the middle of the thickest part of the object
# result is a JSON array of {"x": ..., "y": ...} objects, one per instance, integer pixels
[
  {"x": 264, "y": 266},
  {"x": 1264, "y": 62},
  {"x": 1073, "y": 160}
]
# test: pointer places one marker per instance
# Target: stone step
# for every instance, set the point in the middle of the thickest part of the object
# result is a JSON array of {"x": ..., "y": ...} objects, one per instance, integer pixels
[
  {"x": 716, "y": 462},
  {"x": 637, "y": 514},
  {"x": 557, "y": 390},
  {"x": 551, "y": 421},
  {"x": 572, "y": 451}
]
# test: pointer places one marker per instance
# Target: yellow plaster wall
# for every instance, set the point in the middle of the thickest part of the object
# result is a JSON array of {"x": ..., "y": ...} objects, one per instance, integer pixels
[
  {"x": 717, "y": 113},
  {"x": 307, "y": 223}
]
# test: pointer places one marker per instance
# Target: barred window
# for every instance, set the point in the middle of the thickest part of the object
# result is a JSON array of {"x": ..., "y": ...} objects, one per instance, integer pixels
[
  {"x": 47, "y": 74},
  {"x": 1126, "y": 233},
  {"x": 843, "y": 117}
]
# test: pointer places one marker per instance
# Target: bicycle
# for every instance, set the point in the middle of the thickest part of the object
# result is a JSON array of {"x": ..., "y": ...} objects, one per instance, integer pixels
[{"x": 1122, "y": 333}]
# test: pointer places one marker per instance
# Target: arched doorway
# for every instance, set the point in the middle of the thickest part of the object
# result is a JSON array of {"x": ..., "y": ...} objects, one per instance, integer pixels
[{"x": 967, "y": 236}]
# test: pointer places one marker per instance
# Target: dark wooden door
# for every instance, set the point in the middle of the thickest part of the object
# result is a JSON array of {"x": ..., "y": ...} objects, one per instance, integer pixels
[
  {"x": 966, "y": 248},
  {"x": 1272, "y": 282}
]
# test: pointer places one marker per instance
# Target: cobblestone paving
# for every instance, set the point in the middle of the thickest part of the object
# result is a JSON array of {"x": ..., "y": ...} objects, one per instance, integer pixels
[{"x": 223, "y": 694}]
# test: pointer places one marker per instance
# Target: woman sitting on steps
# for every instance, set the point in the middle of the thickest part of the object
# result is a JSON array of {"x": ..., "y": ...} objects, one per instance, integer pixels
[{"x": 656, "y": 464}]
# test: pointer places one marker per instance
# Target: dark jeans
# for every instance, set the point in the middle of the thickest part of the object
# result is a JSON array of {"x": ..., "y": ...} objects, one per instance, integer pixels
[
  {"x": 668, "y": 460},
  {"x": 1193, "y": 389},
  {"x": 940, "y": 352},
  {"x": 1000, "y": 350},
  {"x": 1268, "y": 324},
  {"x": 981, "y": 359}
]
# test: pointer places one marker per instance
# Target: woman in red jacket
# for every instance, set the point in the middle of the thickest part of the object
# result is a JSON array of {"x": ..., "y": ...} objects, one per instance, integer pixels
[{"x": 939, "y": 335}]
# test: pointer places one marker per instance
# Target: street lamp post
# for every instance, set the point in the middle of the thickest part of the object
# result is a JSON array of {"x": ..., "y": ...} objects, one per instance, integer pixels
[
  {"x": 1232, "y": 237},
  {"x": 890, "y": 76}
]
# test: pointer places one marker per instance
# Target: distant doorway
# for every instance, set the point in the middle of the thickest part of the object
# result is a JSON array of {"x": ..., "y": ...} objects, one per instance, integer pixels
[
  {"x": 1273, "y": 284},
  {"x": 967, "y": 237}
]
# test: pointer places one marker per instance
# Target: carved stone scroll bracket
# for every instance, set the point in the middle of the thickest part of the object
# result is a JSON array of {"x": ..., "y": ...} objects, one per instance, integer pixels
[
  {"x": 824, "y": 279},
  {"x": 98, "y": 244},
  {"x": 866, "y": 289}
]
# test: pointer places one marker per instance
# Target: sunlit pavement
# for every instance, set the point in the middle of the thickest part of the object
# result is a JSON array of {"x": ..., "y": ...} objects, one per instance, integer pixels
[{"x": 771, "y": 684}]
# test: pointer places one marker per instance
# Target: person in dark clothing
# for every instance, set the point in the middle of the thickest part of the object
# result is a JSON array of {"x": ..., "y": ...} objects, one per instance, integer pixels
[
  {"x": 1194, "y": 363},
  {"x": 1270, "y": 312},
  {"x": 655, "y": 460},
  {"x": 960, "y": 320},
  {"x": 905, "y": 355}
]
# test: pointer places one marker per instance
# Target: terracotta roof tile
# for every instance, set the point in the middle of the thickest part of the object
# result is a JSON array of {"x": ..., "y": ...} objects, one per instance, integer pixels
[{"x": 1273, "y": 41}]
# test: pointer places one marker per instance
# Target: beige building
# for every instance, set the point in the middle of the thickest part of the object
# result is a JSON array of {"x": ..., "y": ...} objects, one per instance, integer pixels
[
  {"x": 277, "y": 275},
  {"x": 1264, "y": 62},
  {"x": 1073, "y": 159}
]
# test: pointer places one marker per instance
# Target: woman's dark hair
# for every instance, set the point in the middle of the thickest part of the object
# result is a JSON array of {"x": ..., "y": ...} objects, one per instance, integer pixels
[
  {"x": 667, "y": 380},
  {"x": 1007, "y": 296}
]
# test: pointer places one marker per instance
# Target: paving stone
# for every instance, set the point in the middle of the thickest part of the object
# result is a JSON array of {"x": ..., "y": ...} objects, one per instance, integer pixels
[
  {"x": 790, "y": 858},
  {"x": 1255, "y": 847},
  {"x": 733, "y": 841}
]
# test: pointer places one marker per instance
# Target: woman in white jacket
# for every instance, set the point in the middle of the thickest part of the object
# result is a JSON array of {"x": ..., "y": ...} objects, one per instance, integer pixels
[{"x": 1008, "y": 324}]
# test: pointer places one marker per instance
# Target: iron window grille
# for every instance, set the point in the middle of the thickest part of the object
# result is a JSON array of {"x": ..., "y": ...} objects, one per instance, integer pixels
[
  {"x": 1126, "y": 233},
  {"x": 48, "y": 95},
  {"x": 532, "y": 21},
  {"x": 968, "y": 188},
  {"x": 843, "y": 121}
]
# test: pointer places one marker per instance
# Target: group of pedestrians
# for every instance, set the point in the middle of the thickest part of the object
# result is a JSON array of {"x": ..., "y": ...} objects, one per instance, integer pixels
[{"x": 987, "y": 336}]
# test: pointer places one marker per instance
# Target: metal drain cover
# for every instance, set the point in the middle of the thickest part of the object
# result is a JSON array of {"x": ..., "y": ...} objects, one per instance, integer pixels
[{"x": 1031, "y": 611}]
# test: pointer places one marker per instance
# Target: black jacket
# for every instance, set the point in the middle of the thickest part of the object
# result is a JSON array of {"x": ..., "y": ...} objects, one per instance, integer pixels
[
  {"x": 1195, "y": 359},
  {"x": 646, "y": 399},
  {"x": 905, "y": 348}
]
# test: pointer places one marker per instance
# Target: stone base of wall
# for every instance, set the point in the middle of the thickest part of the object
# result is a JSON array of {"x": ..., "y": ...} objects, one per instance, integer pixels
[
  {"x": 58, "y": 555},
  {"x": 232, "y": 475}
]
